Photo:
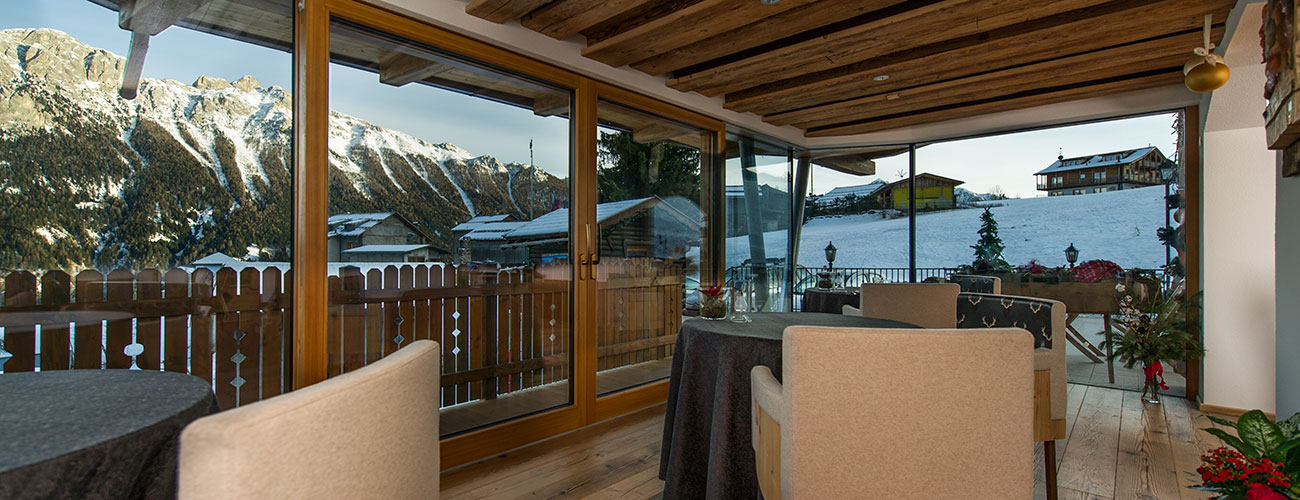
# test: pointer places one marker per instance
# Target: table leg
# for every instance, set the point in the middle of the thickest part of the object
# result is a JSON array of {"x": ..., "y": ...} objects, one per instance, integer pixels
[{"x": 1110, "y": 361}]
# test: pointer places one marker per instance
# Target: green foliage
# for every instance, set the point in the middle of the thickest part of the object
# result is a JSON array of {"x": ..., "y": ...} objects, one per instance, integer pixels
[
  {"x": 630, "y": 169},
  {"x": 1257, "y": 437},
  {"x": 1157, "y": 328},
  {"x": 988, "y": 250},
  {"x": 851, "y": 204}
]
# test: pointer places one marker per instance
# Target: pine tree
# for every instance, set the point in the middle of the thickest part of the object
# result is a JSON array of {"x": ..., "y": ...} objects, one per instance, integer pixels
[{"x": 988, "y": 251}]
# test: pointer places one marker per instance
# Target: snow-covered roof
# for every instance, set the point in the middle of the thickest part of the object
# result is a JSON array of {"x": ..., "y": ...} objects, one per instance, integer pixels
[
  {"x": 216, "y": 259},
  {"x": 479, "y": 220},
  {"x": 1093, "y": 161},
  {"x": 493, "y": 231},
  {"x": 354, "y": 224},
  {"x": 861, "y": 190},
  {"x": 556, "y": 223},
  {"x": 385, "y": 248}
]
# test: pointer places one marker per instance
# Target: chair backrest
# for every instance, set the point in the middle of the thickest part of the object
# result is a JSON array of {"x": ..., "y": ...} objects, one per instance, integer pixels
[
  {"x": 976, "y": 283},
  {"x": 928, "y": 305},
  {"x": 877, "y": 413},
  {"x": 1043, "y": 318},
  {"x": 371, "y": 433}
]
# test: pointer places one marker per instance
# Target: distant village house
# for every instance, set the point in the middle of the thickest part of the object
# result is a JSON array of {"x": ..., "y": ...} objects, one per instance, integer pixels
[
  {"x": 933, "y": 192},
  {"x": 379, "y": 237},
  {"x": 1113, "y": 171}
]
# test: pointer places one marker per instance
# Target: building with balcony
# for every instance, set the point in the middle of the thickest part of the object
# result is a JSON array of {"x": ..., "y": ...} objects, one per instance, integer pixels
[{"x": 1099, "y": 173}]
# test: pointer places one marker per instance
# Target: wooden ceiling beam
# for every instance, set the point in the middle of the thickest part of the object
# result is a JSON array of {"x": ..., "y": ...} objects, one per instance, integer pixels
[
  {"x": 1173, "y": 76},
  {"x": 566, "y": 18},
  {"x": 632, "y": 18},
  {"x": 803, "y": 20},
  {"x": 1115, "y": 61},
  {"x": 976, "y": 54},
  {"x": 551, "y": 105},
  {"x": 682, "y": 27},
  {"x": 398, "y": 69},
  {"x": 925, "y": 25},
  {"x": 500, "y": 11}
]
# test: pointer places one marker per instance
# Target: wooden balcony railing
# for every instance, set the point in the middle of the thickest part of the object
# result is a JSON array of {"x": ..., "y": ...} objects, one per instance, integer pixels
[{"x": 500, "y": 330}]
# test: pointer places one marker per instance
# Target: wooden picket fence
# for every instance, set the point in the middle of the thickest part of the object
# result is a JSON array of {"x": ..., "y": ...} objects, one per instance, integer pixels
[{"x": 500, "y": 330}]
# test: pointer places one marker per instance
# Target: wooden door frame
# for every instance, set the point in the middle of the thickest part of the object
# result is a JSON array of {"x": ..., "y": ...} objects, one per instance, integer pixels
[{"x": 311, "y": 301}]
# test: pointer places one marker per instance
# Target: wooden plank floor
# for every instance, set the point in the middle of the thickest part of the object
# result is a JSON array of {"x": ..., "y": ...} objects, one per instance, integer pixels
[{"x": 1117, "y": 448}]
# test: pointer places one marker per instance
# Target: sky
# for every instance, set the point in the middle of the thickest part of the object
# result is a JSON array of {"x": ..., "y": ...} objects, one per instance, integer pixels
[
  {"x": 1006, "y": 162},
  {"x": 1009, "y": 161},
  {"x": 476, "y": 125}
]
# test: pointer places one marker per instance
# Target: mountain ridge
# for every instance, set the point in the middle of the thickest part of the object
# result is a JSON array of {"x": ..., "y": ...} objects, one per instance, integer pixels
[{"x": 91, "y": 180}]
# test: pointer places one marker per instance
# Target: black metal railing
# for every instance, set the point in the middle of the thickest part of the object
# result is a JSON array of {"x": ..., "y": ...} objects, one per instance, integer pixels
[{"x": 746, "y": 277}]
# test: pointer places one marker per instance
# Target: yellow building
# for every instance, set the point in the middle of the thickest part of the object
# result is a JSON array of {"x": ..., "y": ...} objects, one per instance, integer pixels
[{"x": 932, "y": 192}]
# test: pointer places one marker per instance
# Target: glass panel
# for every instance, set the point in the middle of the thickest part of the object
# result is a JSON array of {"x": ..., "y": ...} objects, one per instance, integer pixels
[
  {"x": 651, "y": 230},
  {"x": 1098, "y": 188},
  {"x": 150, "y": 232},
  {"x": 757, "y": 212},
  {"x": 449, "y": 220},
  {"x": 863, "y": 217}
]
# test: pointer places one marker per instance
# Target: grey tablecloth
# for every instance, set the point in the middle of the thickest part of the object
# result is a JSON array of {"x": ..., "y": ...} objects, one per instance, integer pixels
[
  {"x": 95, "y": 433},
  {"x": 707, "y": 451},
  {"x": 828, "y": 301}
]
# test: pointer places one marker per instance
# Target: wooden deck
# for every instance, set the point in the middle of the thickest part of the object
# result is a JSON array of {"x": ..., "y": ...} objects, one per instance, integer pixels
[{"x": 1117, "y": 448}]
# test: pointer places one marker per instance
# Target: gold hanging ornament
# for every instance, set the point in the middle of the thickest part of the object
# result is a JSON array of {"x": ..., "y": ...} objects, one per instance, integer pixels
[{"x": 1207, "y": 71}]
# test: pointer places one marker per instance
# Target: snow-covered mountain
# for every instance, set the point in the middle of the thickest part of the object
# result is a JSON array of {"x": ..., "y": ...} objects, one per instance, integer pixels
[{"x": 88, "y": 179}]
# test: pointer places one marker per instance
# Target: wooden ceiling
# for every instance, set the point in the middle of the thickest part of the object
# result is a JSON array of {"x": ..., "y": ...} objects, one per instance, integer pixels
[{"x": 820, "y": 65}]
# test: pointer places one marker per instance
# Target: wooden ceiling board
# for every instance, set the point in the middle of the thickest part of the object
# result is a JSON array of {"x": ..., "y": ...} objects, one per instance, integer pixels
[
  {"x": 682, "y": 27},
  {"x": 766, "y": 30},
  {"x": 1106, "y": 63},
  {"x": 566, "y": 18},
  {"x": 500, "y": 11},
  {"x": 1172, "y": 77},
  {"x": 925, "y": 25},
  {"x": 975, "y": 57},
  {"x": 632, "y": 18}
]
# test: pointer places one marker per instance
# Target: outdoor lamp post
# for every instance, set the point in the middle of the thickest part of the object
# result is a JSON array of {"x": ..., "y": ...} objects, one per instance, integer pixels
[
  {"x": 1071, "y": 255},
  {"x": 830, "y": 255}
]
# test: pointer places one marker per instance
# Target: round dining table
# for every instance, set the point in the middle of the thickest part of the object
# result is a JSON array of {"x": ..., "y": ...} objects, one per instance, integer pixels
[
  {"x": 95, "y": 433},
  {"x": 829, "y": 300},
  {"x": 707, "y": 449}
]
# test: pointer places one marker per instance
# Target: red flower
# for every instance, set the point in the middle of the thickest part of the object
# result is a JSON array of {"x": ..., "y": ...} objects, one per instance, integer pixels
[
  {"x": 1260, "y": 492},
  {"x": 1156, "y": 370},
  {"x": 713, "y": 292}
]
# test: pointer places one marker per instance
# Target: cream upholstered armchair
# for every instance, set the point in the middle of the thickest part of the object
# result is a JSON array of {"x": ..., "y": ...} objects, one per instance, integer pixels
[
  {"x": 371, "y": 433},
  {"x": 928, "y": 305},
  {"x": 1045, "y": 319},
  {"x": 876, "y": 413}
]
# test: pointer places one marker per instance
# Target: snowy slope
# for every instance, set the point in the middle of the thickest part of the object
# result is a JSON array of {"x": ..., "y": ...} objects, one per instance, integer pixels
[{"x": 1119, "y": 226}]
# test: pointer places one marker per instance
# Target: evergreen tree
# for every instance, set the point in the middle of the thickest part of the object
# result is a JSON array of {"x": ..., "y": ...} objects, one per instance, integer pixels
[
  {"x": 988, "y": 251},
  {"x": 630, "y": 169}
]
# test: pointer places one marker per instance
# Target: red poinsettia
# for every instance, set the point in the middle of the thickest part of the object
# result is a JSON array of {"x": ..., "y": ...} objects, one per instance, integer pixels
[
  {"x": 1228, "y": 472},
  {"x": 712, "y": 292}
]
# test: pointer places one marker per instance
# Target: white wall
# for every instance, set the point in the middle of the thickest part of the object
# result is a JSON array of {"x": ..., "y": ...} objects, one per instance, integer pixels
[
  {"x": 1239, "y": 216},
  {"x": 1288, "y": 296}
]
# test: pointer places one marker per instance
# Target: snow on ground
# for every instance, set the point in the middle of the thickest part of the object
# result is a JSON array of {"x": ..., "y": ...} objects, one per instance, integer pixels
[{"x": 1119, "y": 226}]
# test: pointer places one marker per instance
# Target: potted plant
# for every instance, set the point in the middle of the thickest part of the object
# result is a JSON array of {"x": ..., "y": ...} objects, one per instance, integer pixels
[
  {"x": 824, "y": 280},
  {"x": 1263, "y": 462},
  {"x": 713, "y": 303},
  {"x": 1154, "y": 327}
]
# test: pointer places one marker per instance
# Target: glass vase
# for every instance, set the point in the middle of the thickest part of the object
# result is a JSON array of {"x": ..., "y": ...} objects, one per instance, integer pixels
[
  {"x": 715, "y": 307},
  {"x": 1150, "y": 387}
]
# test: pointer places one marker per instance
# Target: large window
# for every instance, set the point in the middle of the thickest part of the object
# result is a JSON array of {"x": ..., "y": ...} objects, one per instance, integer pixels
[
  {"x": 757, "y": 211},
  {"x": 449, "y": 220},
  {"x": 145, "y": 216}
]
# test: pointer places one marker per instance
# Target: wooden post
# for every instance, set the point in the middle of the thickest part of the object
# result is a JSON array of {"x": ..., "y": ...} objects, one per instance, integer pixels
[
  {"x": 55, "y": 345},
  {"x": 121, "y": 288},
  {"x": 148, "y": 331},
  {"x": 354, "y": 319},
  {"x": 89, "y": 344},
  {"x": 227, "y": 323},
  {"x": 201, "y": 286},
  {"x": 176, "y": 336},
  {"x": 20, "y": 290},
  {"x": 273, "y": 333}
]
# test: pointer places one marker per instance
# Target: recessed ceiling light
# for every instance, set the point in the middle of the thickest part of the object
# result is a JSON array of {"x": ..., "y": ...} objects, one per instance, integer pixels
[
  {"x": 881, "y": 78},
  {"x": 769, "y": 2}
]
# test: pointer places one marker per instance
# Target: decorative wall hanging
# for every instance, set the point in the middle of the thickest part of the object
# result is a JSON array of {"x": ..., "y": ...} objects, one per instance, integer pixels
[{"x": 1282, "y": 121}]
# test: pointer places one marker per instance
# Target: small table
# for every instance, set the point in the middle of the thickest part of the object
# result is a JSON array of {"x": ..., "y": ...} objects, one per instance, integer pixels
[
  {"x": 829, "y": 300},
  {"x": 95, "y": 433},
  {"x": 707, "y": 448}
]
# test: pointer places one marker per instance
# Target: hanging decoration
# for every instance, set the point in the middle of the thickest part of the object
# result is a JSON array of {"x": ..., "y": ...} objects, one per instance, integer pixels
[{"x": 1207, "y": 71}]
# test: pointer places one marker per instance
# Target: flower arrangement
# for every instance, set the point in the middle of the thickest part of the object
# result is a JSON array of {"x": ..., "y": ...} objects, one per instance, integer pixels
[
  {"x": 1263, "y": 462},
  {"x": 1153, "y": 327},
  {"x": 712, "y": 303},
  {"x": 824, "y": 280}
]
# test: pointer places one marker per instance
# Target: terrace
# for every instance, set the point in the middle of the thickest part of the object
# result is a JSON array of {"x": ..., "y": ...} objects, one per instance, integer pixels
[{"x": 670, "y": 146}]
